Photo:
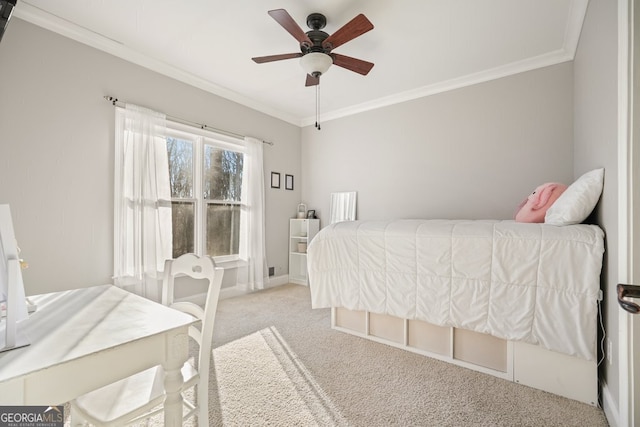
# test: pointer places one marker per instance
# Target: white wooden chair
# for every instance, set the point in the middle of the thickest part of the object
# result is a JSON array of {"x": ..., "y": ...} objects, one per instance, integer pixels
[{"x": 141, "y": 395}]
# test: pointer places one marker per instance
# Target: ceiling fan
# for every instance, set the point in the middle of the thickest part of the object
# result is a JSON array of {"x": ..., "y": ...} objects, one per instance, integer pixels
[{"x": 316, "y": 47}]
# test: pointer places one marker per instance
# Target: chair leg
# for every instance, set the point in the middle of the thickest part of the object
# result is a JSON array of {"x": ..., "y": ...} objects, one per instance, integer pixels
[{"x": 202, "y": 395}]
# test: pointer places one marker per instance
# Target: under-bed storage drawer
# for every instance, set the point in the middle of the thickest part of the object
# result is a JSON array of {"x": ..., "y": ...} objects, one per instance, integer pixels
[
  {"x": 353, "y": 320},
  {"x": 386, "y": 327},
  {"x": 524, "y": 363},
  {"x": 480, "y": 349},
  {"x": 555, "y": 372},
  {"x": 427, "y": 337},
  {"x": 449, "y": 343}
]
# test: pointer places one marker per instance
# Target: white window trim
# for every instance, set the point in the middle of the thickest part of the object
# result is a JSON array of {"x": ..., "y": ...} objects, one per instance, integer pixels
[{"x": 199, "y": 138}]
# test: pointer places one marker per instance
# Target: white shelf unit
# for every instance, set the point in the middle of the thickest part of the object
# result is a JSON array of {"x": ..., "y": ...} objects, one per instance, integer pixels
[{"x": 300, "y": 231}]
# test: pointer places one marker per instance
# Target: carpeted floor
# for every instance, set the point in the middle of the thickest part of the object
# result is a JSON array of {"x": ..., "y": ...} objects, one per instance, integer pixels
[{"x": 278, "y": 363}]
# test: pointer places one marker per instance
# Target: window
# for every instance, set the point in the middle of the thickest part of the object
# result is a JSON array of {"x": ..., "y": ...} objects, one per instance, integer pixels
[
  {"x": 206, "y": 177},
  {"x": 180, "y": 189}
]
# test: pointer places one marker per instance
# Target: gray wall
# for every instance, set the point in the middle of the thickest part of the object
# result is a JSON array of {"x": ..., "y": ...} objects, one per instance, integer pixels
[
  {"x": 596, "y": 145},
  {"x": 56, "y": 151},
  {"x": 475, "y": 152}
]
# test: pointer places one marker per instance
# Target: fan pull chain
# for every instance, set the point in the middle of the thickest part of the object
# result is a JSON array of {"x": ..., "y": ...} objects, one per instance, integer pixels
[{"x": 317, "y": 106}]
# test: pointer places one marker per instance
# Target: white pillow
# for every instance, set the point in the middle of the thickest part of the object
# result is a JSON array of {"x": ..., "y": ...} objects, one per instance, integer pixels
[{"x": 578, "y": 201}]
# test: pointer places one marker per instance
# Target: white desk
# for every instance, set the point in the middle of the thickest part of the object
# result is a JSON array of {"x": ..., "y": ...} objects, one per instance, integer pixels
[{"x": 86, "y": 338}]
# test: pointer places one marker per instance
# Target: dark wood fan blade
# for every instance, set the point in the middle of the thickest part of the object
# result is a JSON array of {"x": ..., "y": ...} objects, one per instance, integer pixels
[
  {"x": 352, "y": 29},
  {"x": 271, "y": 58},
  {"x": 283, "y": 18},
  {"x": 312, "y": 81},
  {"x": 353, "y": 64}
]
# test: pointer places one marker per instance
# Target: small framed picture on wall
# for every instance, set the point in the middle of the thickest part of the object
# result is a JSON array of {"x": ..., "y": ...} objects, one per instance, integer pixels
[
  {"x": 275, "y": 179},
  {"x": 288, "y": 182}
]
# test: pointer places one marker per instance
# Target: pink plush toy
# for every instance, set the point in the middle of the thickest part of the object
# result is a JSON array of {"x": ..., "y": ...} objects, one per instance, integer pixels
[{"x": 534, "y": 207}]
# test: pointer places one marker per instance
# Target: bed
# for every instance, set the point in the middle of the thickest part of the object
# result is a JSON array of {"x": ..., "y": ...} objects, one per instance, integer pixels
[{"x": 515, "y": 300}]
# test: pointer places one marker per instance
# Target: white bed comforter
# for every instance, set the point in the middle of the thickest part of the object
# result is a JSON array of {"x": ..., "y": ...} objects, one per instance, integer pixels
[{"x": 535, "y": 283}]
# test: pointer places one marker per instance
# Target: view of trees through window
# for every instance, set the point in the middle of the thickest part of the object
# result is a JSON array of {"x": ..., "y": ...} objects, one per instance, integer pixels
[
  {"x": 217, "y": 209},
  {"x": 222, "y": 191}
]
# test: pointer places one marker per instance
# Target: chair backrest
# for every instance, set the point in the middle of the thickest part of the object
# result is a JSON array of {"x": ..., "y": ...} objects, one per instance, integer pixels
[{"x": 197, "y": 268}]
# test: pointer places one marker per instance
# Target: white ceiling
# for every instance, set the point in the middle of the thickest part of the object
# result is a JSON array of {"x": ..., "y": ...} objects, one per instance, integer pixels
[{"x": 419, "y": 47}]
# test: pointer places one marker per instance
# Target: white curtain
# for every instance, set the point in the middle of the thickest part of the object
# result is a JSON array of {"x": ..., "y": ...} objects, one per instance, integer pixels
[
  {"x": 142, "y": 219},
  {"x": 252, "y": 244}
]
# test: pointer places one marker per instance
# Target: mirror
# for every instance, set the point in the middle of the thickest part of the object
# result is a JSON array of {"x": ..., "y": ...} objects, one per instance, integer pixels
[
  {"x": 343, "y": 207},
  {"x": 11, "y": 285}
]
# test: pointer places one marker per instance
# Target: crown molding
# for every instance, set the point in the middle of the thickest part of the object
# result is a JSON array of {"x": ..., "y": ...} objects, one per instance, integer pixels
[
  {"x": 575, "y": 20},
  {"x": 577, "y": 12},
  {"x": 39, "y": 17},
  {"x": 528, "y": 64},
  {"x": 68, "y": 29}
]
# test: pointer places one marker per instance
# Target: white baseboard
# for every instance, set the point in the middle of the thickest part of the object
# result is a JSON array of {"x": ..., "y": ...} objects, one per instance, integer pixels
[
  {"x": 609, "y": 406},
  {"x": 277, "y": 281},
  {"x": 235, "y": 291}
]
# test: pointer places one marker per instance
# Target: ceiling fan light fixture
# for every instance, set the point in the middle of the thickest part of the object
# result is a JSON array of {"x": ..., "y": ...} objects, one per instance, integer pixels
[{"x": 316, "y": 63}]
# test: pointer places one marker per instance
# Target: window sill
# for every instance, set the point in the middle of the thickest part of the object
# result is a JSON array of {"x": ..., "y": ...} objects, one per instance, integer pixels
[{"x": 227, "y": 265}]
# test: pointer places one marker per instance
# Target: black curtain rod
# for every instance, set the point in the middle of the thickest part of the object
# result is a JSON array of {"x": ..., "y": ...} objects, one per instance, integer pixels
[{"x": 118, "y": 103}]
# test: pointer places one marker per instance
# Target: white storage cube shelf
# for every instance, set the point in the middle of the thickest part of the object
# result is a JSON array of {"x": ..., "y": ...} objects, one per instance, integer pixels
[
  {"x": 301, "y": 231},
  {"x": 519, "y": 362}
]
